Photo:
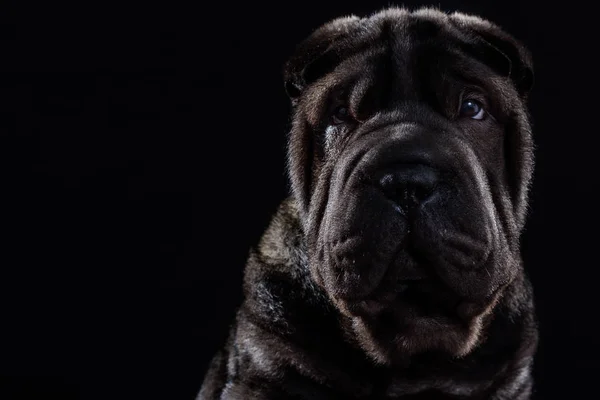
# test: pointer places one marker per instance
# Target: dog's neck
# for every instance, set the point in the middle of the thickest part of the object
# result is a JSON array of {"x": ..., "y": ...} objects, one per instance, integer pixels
[{"x": 282, "y": 300}]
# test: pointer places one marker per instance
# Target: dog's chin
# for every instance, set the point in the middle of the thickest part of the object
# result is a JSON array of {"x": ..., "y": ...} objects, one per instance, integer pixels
[
  {"x": 390, "y": 340},
  {"x": 419, "y": 316}
]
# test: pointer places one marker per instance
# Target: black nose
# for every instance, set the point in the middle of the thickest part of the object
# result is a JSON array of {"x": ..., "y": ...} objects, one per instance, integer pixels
[{"x": 408, "y": 185}]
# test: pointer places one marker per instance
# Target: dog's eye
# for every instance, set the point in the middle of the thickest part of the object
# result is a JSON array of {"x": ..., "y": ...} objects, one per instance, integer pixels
[
  {"x": 340, "y": 115},
  {"x": 472, "y": 109}
]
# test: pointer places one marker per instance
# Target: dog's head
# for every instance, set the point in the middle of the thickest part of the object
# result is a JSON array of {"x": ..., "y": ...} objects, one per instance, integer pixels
[{"x": 410, "y": 157}]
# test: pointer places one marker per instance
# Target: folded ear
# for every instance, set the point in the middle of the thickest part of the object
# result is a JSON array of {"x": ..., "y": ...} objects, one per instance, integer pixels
[
  {"x": 498, "y": 49},
  {"x": 314, "y": 57}
]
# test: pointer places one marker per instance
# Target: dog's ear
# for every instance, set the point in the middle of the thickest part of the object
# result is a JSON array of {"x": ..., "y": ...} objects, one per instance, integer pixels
[
  {"x": 315, "y": 56},
  {"x": 507, "y": 55}
]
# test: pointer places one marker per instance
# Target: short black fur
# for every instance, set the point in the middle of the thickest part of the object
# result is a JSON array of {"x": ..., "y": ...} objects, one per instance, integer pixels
[{"x": 393, "y": 271}]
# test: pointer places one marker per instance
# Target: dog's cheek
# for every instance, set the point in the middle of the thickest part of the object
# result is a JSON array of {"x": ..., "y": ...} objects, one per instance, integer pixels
[
  {"x": 361, "y": 235},
  {"x": 300, "y": 163},
  {"x": 518, "y": 150}
]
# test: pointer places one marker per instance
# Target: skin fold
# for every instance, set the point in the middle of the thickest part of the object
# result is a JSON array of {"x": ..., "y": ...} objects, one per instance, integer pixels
[{"x": 393, "y": 270}]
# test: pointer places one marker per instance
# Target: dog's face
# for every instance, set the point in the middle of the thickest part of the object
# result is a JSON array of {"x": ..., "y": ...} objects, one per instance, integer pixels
[{"x": 410, "y": 156}]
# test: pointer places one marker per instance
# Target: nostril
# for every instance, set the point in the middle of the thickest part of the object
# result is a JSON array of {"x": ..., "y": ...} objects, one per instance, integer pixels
[
  {"x": 419, "y": 193},
  {"x": 409, "y": 196}
]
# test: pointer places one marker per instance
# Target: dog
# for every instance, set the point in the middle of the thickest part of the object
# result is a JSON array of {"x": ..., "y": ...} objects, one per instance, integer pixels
[{"x": 393, "y": 270}]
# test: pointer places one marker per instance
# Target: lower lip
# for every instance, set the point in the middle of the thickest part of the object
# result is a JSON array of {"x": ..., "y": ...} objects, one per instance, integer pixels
[{"x": 403, "y": 285}]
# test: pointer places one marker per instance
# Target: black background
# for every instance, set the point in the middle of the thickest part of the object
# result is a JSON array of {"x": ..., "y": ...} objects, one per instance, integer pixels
[{"x": 148, "y": 156}]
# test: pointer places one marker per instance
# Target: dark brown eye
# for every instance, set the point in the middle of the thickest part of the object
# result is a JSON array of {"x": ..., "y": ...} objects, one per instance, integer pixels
[
  {"x": 472, "y": 109},
  {"x": 340, "y": 115}
]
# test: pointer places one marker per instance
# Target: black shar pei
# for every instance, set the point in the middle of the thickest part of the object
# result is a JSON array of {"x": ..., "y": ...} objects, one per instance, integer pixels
[{"x": 394, "y": 270}]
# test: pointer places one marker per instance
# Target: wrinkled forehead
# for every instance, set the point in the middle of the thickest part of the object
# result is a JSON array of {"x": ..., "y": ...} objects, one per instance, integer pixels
[
  {"x": 407, "y": 55},
  {"x": 399, "y": 35}
]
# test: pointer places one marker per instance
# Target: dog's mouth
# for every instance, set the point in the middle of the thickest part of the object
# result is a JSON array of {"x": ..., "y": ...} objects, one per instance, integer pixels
[
  {"x": 412, "y": 292},
  {"x": 414, "y": 297},
  {"x": 426, "y": 297},
  {"x": 406, "y": 285}
]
